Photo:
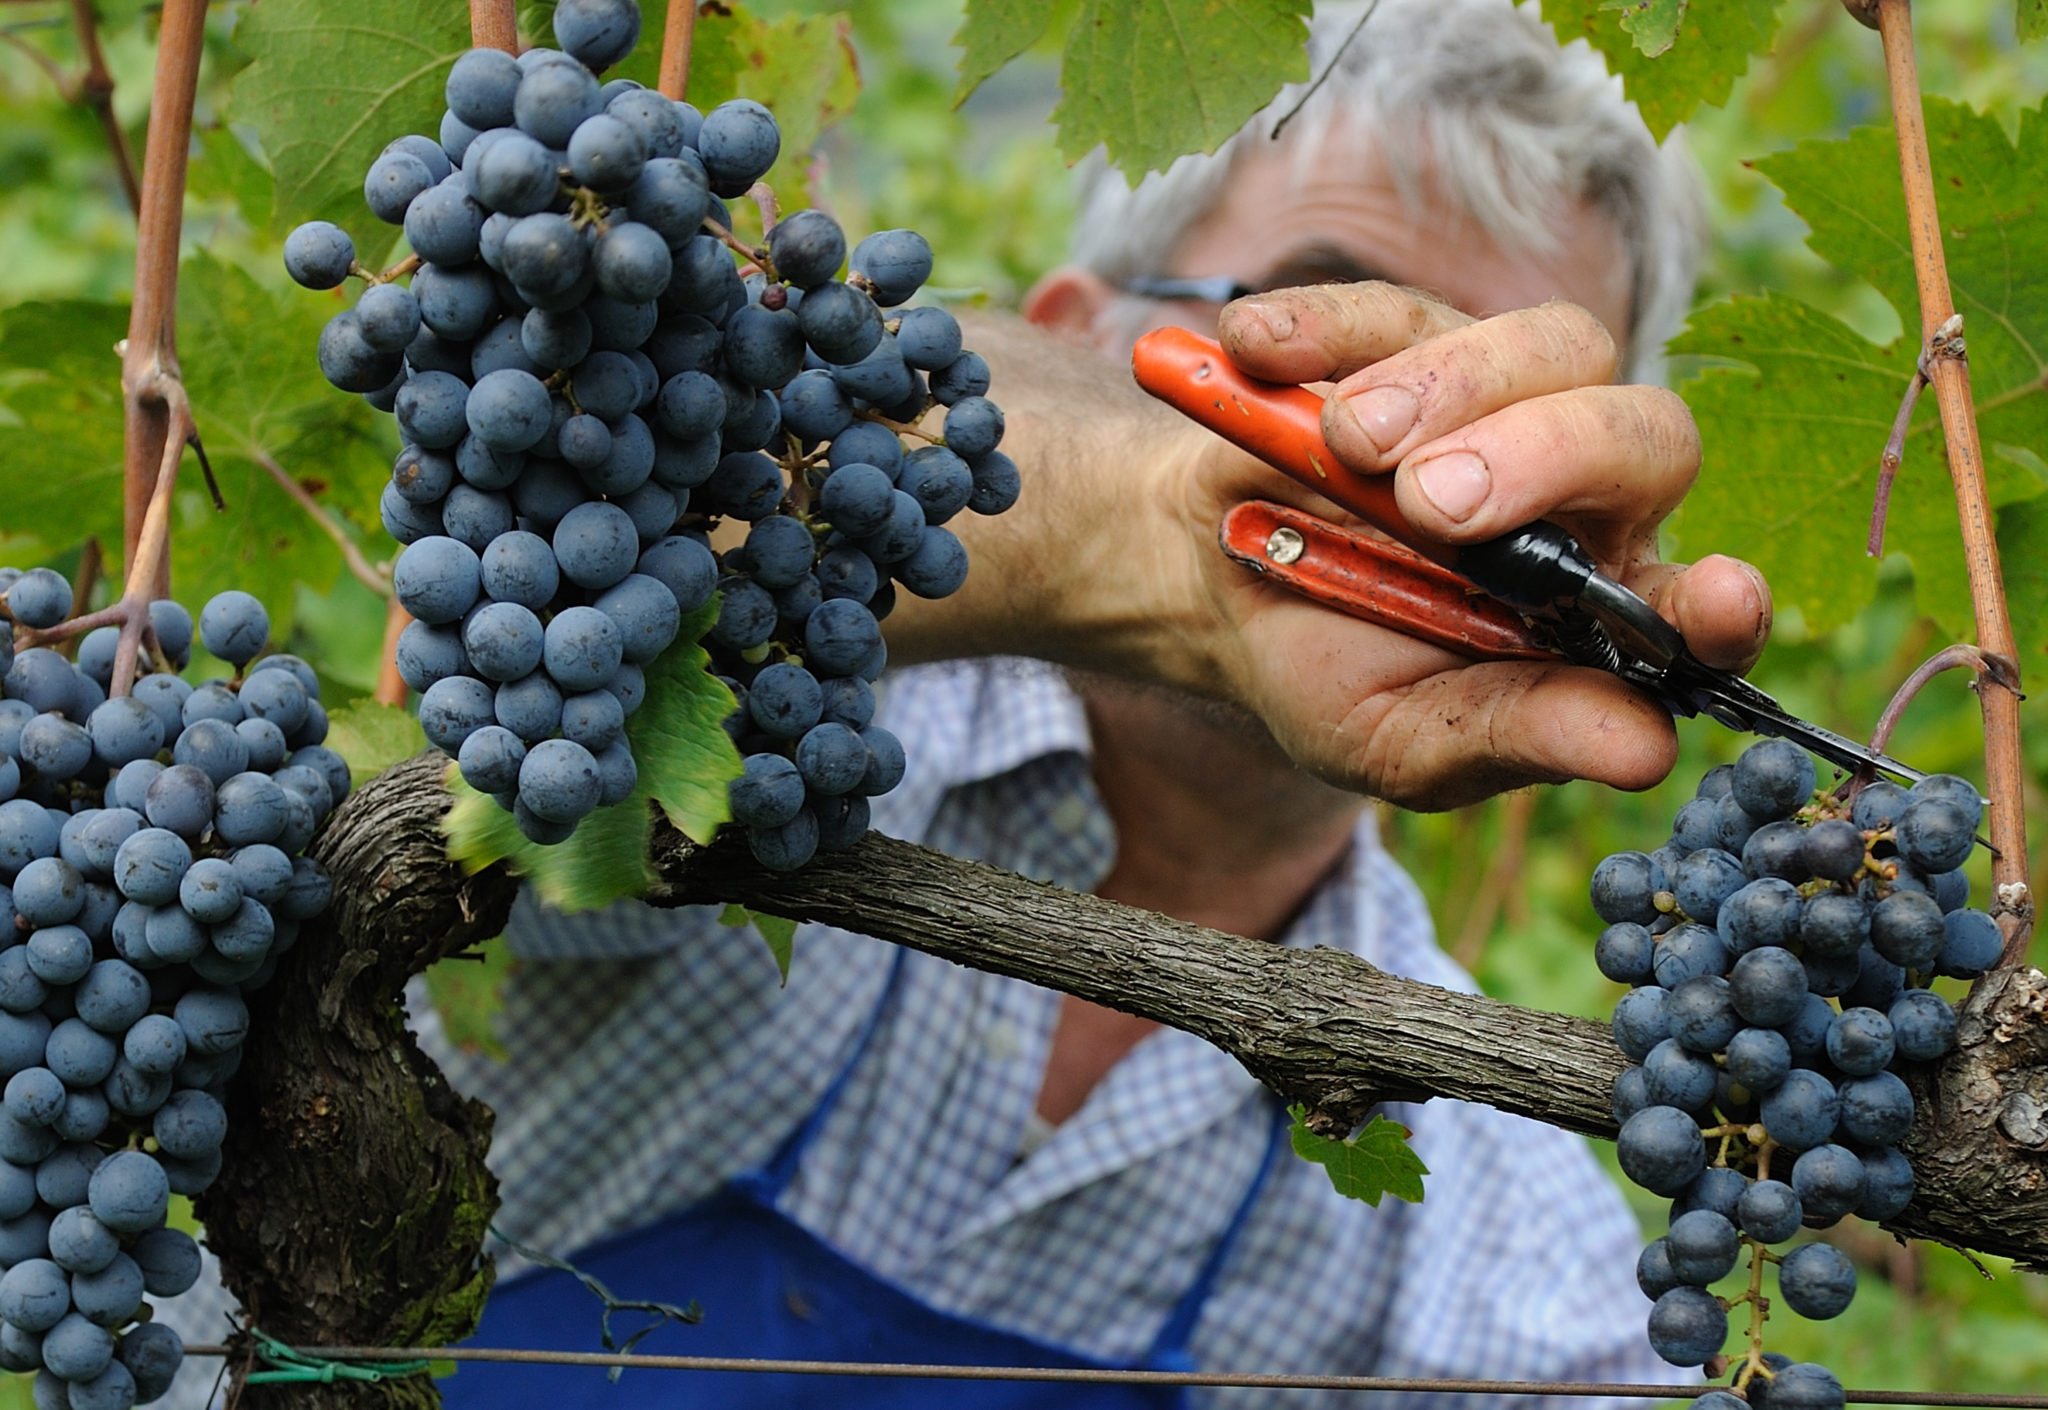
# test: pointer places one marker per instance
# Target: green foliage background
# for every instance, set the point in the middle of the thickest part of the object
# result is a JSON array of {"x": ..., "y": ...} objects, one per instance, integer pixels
[{"x": 878, "y": 82}]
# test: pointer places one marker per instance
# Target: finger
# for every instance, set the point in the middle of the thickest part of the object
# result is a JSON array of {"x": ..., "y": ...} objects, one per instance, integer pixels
[
  {"x": 1721, "y": 605},
  {"x": 1322, "y": 332},
  {"x": 1467, "y": 734},
  {"x": 1379, "y": 414},
  {"x": 1613, "y": 459}
]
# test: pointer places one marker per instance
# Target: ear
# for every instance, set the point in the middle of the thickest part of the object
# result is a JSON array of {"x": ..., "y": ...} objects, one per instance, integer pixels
[{"x": 1068, "y": 301}]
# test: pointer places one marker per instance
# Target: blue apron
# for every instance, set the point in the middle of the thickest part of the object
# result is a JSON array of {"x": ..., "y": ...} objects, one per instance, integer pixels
[{"x": 772, "y": 1289}]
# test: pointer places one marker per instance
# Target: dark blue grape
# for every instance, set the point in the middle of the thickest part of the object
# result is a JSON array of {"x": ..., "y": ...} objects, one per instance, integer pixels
[
  {"x": 519, "y": 567},
  {"x": 1624, "y": 887},
  {"x": 1817, "y": 1280},
  {"x": 1887, "y": 1185},
  {"x": 594, "y": 719},
  {"x": 654, "y": 118},
  {"x": 685, "y": 567},
  {"x": 832, "y": 758},
  {"x": 645, "y": 613},
  {"x": 1923, "y": 1025},
  {"x": 1829, "y": 1181},
  {"x": 738, "y": 142},
  {"x": 840, "y": 322},
  {"x": 552, "y": 100},
  {"x": 1860, "y": 1041},
  {"x": 1834, "y": 925},
  {"x": 319, "y": 254},
  {"x": 558, "y": 781},
  {"x": 456, "y": 304},
  {"x": 348, "y": 361},
  {"x": 1802, "y": 1112},
  {"x": 929, "y": 338},
  {"x": 597, "y": 33},
  {"x": 437, "y": 579},
  {"x": 1702, "y": 1015},
  {"x": 896, "y": 263},
  {"x": 582, "y": 649},
  {"x": 965, "y": 376},
  {"x": 807, "y": 247},
  {"x": 481, "y": 86},
  {"x": 631, "y": 262},
  {"x": 393, "y": 180},
  {"x": 1759, "y": 1058},
  {"x": 1971, "y": 944},
  {"x": 1677, "y": 1077},
  {"x": 428, "y": 653},
  {"x": 997, "y": 484},
  {"x": 1770, "y": 1211},
  {"x": 607, "y": 154},
  {"x": 1702, "y": 1246},
  {"x": 788, "y": 846},
  {"x": 1686, "y": 951},
  {"x": 502, "y": 641},
  {"x": 937, "y": 568},
  {"x": 1623, "y": 953},
  {"x": 886, "y": 761},
  {"x": 1876, "y": 1110},
  {"x": 1906, "y": 928},
  {"x": 451, "y": 709},
  {"x": 1661, "y": 1149}
]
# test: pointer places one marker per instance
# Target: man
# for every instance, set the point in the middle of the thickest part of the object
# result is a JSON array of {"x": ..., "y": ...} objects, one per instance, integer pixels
[{"x": 896, "y": 1159}]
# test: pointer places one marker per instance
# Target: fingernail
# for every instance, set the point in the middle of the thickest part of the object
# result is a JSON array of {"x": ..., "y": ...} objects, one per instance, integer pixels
[
  {"x": 1276, "y": 319},
  {"x": 1457, "y": 484},
  {"x": 1385, "y": 414}
]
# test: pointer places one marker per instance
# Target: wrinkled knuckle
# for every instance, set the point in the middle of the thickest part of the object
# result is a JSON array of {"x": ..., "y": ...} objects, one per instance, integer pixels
[{"x": 1583, "y": 339}]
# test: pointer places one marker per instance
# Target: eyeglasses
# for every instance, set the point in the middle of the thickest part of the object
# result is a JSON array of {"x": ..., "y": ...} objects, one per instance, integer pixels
[{"x": 1216, "y": 289}]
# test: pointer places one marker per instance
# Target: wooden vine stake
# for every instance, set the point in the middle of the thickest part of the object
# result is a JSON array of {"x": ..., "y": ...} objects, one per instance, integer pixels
[{"x": 2005, "y": 769}]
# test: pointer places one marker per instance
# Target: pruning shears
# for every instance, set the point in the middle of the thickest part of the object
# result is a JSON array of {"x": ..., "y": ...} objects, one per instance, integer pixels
[{"x": 1532, "y": 594}]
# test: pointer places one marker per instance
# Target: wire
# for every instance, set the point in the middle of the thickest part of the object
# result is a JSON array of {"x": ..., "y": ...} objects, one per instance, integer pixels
[{"x": 1095, "y": 1376}]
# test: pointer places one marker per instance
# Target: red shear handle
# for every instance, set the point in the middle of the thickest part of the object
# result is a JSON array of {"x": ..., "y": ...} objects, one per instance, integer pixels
[
  {"x": 1281, "y": 425},
  {"x": 1384, "y": 583}
]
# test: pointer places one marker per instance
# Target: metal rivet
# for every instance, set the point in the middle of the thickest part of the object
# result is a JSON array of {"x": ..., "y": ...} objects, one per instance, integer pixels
[{"x": 1285, "y": 545}]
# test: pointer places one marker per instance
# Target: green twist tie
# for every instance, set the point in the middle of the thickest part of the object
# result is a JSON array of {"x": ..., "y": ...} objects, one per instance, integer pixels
[{"x": 284, "y": 1365}]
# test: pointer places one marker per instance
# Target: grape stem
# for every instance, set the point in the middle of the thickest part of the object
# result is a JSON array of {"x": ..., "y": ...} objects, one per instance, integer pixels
[
  {"x": 757, "y": 255},
  {"x": 901, "y": 428},
  {"x": 1759, "y": 1313},
  {"x": 2004, "y": 765},
  {"x": 1946, "y": 342}
]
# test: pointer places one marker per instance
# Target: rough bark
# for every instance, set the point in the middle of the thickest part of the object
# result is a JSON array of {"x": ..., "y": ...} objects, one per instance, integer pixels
[{"x": 355, "y": 1197}]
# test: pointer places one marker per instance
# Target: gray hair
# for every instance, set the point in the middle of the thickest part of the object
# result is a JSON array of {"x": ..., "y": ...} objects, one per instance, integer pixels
[{"x": 1469, "y": 98}]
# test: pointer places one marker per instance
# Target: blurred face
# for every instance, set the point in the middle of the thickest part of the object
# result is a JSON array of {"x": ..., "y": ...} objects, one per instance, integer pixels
[
  {"x": 1341, "y": 220},
  {"x": 1282, "y": 222}
]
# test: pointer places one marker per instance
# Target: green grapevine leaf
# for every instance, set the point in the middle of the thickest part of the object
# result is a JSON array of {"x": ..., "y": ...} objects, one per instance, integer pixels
[
  {"x": 685, "y": 759},
  {"x": 1793, "y": 422},
  {"x": 1792, "y": 451},
  {"x": 997, "y": 31},
  {"x": 1711, "y": 49},
  {"x": 60, "y": 421},
  {"x": 604, "y": 860},
  {"x": 2023, "y": 561},
  {"x": 1152, "y": 79},
  {"x": 468, "y": 991},
  {"x": 256, "y": 399},
  {"x": 679, "y": 741},
  {"x": 780, "y": 933},
  {"x": 1989, "y": 190},
  {"x": 260, "y": 401},
  {"x": 1376, "y": 1162},
  {"x": 373, "y": 737},
  {"x": 2033, "y": 18},
  {"x": 1653, "y": 24},
  {"x": 330, "y": 85},
  {"x": 805, "y": 71}
]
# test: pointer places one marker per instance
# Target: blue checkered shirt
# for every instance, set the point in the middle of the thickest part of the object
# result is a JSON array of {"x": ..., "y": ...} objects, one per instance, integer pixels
[{"x": 653, "y": 1055}]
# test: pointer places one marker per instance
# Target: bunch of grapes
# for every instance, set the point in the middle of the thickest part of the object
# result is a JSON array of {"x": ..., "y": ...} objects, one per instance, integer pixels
[
  {"x": 1780, "y": 945},
  {"x": 586, "y": 384},
  {"x": 149, "y": 875}
]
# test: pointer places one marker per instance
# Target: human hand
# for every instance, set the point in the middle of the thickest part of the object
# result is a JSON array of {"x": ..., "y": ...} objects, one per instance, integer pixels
[{"x": 1486, "y": 425}]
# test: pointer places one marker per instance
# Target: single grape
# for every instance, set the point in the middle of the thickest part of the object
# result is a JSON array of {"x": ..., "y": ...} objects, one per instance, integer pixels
[{"x": 319, "y": 255}]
